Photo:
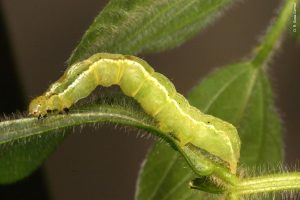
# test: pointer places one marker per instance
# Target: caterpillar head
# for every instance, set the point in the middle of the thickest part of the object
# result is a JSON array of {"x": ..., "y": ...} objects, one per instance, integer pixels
[{"x": 38, "y": 107}]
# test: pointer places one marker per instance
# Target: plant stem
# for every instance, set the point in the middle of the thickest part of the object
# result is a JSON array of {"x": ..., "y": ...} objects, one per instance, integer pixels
[
  {"x": 269, "y": 183},
  {"x": 273, "y": 35}
]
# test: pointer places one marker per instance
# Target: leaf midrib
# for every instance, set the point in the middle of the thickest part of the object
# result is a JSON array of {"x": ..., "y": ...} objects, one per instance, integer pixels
[
  {"x": 222, "y": 89},
  {"x": 166, "y": 172}
]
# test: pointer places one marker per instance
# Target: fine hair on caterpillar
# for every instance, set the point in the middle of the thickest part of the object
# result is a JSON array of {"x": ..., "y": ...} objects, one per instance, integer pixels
[{"x": 186, "y": 125}]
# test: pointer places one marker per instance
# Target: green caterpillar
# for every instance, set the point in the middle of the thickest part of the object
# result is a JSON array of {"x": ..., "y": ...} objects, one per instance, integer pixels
[{"x": 186, "y": 125}]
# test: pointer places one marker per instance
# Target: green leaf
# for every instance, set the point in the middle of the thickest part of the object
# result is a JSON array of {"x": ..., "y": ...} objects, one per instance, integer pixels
[
  {"x": 165, "y": 176},
  {"x": 241, "y": 94},
  {"x": 21, "y": 156},
  {"x": 134, "y": 26}
]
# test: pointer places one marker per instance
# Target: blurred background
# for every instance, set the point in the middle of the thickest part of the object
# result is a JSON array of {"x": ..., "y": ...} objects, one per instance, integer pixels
[{"x": 104, "y": 163}]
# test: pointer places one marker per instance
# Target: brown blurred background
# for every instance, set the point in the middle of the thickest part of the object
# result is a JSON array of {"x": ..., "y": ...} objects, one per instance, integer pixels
[{"x": 103, "y": 163}]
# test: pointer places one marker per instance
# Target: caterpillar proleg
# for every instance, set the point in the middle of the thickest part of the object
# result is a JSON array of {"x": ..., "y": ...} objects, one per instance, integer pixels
[{"x": 156, "y": 95}]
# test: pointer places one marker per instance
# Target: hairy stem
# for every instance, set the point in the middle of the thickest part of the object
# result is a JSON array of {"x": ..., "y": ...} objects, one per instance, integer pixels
[
  {"x": 273, "y": 35},
  {"x": 269, "y": 183}
]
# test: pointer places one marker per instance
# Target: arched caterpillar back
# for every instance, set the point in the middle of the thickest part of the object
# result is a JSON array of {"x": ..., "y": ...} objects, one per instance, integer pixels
[{"x": 180, "y": 121}]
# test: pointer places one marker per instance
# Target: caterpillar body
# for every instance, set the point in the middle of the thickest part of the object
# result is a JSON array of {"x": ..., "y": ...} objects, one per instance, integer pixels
[{"x": 156, "y": 95}]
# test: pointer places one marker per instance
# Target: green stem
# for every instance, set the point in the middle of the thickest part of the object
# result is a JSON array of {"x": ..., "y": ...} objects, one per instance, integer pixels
[
  {"x": 272, "y": 38},
  {"x": 269, "y": 183}
]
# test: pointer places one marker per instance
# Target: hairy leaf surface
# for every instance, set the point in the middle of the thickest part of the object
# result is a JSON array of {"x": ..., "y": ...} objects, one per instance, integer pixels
[{"x": 134, "y": 26}]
